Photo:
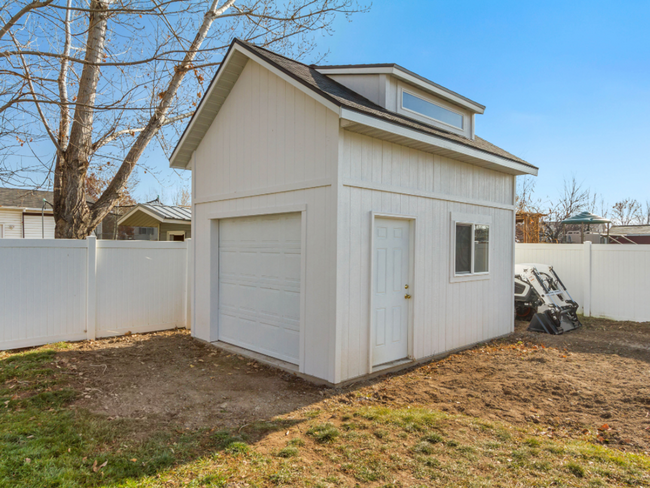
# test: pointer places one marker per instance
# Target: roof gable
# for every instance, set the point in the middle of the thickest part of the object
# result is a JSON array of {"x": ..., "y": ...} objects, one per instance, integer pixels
[
  {"x": 158, "y": 212},
  {"x": 332, "y": 94}
]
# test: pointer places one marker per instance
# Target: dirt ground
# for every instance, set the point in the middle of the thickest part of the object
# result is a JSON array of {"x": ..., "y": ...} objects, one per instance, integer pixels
[{"x": 593, "y": 383}]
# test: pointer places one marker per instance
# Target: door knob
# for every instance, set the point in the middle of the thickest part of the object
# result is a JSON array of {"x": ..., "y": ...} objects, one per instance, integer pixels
[
  {"x": 407, "y": 297},
  {"x": 406, "y": 287}
]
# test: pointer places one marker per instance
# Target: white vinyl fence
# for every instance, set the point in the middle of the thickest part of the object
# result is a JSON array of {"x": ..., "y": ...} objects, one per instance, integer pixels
[
  {"x": 66, "y": 290},
  {"x": 606, "y": 280}
]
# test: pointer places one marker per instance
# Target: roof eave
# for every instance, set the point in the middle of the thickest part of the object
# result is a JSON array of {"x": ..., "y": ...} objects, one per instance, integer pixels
[
  {"x": 184, "y": 149},
  {"x": 380, "y": 128}
]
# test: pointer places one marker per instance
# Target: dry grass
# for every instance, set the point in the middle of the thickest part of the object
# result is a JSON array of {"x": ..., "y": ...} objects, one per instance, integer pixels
[{"x": 46, "y": 441}]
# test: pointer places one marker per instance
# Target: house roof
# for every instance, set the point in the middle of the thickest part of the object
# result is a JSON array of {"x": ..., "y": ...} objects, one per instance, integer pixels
[
  {"x": 24, "y": 198},
  {"x": 326, "y": 88},
  {"x": 629, "y": 230},
  {"x": 158, "y": 212}
]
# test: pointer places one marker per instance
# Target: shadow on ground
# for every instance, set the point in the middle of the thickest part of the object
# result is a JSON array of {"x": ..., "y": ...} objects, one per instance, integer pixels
[{"x": 144, "y": 403}]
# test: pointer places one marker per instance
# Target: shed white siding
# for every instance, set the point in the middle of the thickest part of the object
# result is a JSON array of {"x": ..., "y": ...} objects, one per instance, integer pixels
[
  {"x": 274, "y": 149},
  {"x": 373, "y": 87},
  {"x": 386, "y": 178},
  {"x": 269, "y": 148},
  {"x": 11, "y": 217}
]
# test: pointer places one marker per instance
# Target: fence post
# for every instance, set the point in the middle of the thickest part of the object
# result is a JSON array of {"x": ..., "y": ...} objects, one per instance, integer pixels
[
  {"x": 188, "y": 283},
  {"x": 91, "y": 289},
  {"x": 586, "y": 306}
]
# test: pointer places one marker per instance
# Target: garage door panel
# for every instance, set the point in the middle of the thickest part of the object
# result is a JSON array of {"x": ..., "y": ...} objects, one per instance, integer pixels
[{"x": 259, "y": 284}]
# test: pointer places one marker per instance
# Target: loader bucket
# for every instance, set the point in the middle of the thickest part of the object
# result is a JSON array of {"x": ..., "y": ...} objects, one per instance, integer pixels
[
  {"x": 544, "y": 323},
  {"x": 548, "y": 323}
]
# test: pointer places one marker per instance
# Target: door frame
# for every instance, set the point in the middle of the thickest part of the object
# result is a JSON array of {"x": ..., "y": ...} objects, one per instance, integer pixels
[
  {"x": 175, "y": 233},
  {"x": 371, "y": 326},
  {"x": 214, "y": 219}
]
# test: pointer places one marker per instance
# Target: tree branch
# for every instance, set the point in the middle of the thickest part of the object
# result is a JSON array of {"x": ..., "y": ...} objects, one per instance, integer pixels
[
  {"x": 111, "y": 136},
  {"x": 110, "y": 195},
  {"x": 26, "y": 9}
]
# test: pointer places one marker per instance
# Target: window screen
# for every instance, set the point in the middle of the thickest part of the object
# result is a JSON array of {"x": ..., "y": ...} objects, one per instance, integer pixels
[
  {"x": 431, "y": 110},
  {"x": 481, "y": 248},
  {"x": 463, "y": 248}
]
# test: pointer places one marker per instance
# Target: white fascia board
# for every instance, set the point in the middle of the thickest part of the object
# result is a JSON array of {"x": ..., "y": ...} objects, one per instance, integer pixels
[
  {"x": 127, "y": 215},
  {"x": 400, "y": 74},
  {"x": 195, "y": 117},
  {"x": 215, "y": 85},
  {"x": 438, "y": 90},
  {"x": 350, "y": 116}
]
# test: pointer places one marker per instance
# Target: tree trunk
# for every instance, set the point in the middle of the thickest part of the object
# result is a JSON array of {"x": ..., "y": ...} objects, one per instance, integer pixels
[{"x": 71, "y": 212}]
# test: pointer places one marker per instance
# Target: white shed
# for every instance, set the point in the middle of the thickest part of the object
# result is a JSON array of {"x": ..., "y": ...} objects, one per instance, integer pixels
[{"x": 346, "y": 219}]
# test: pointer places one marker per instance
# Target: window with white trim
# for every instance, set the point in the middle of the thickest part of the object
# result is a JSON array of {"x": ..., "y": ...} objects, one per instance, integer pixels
[
  {"x": 471, "y": 248},
  {"x": 431, "y": 110}
]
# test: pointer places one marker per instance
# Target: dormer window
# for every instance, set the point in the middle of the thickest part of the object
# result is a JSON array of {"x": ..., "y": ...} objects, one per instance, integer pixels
[{"x": 431, "y": 110}]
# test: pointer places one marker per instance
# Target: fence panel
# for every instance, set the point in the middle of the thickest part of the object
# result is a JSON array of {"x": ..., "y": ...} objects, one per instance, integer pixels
[
  {"x": 606, "y": 280},
  {"x": 567, "y": 260},
  {"x": 67, "y": 290},
  {"x": 42, "y": 291},
  {"x": 141, "y": 286},
  {"x": 620, "y": 282}
]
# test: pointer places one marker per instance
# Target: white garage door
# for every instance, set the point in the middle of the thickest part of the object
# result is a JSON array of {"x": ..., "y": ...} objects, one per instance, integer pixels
[{"x": 259, "y": 284}]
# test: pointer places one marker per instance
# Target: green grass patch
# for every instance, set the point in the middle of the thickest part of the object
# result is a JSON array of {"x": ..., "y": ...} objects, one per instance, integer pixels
[
  {"x": 46, "y": 443},
  {"x": 287, "y": 452},
  {"x": 324, "y": 433}
]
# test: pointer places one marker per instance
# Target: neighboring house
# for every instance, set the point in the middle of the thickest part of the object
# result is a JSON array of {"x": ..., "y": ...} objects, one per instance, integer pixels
[
  {"x": 157, "y": 222},
  {"x": 23, "y": 214},
  {"x": 346, "y": 219},
  {"x": 629, "y": 234},
  {"x": 27, "y": 214}
]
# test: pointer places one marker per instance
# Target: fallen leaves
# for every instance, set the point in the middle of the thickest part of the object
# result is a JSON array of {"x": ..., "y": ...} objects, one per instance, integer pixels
[{"x": 97, "y": 468}]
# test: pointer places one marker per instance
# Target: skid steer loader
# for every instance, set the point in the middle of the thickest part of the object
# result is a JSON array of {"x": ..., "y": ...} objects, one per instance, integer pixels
[{"x": 542, "y": 298}]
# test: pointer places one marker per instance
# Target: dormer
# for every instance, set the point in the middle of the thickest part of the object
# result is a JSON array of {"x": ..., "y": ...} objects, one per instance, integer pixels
[{"x": 403, "y": 92}]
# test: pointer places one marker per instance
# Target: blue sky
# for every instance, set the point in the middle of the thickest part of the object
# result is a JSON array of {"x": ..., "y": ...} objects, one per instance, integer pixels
[{"x": 566, "y": 84}]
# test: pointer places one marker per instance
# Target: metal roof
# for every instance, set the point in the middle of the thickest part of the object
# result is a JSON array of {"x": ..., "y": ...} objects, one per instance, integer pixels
[
  {"x": 629, "y": 230},
  {"x": 160, "y": 212},
  {"x": 169, "y": 211},
  {"x": 586, "y": 218}
]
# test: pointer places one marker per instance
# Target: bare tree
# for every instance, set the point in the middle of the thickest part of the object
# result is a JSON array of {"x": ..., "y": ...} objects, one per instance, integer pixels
[
  {"x": 182, "y": 197},
  {"x": 525, "y": 200},
  {"x": 574, "y": 198},
  {"x": 627, "y": 212},
  {"x": 646, "y": 213},
  {"x": 99, "y": 80}
]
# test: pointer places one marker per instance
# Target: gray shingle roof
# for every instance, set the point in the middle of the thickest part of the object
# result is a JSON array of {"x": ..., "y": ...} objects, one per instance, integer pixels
[
  {"x": 20, "y": 197},
  {"x": 343, "y": 96}
]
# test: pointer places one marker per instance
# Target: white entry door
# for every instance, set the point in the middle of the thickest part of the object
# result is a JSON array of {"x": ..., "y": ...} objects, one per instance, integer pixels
[
  {"x": 259, "y": 284},
  {"x": 390, "y": 301}
]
